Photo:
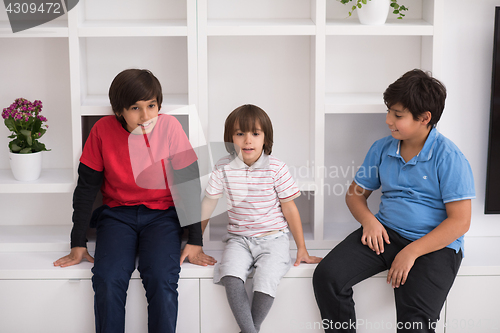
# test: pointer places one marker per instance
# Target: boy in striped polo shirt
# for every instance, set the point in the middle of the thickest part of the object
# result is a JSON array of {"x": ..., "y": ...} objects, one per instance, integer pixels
[{"x": 259, "y": 193}]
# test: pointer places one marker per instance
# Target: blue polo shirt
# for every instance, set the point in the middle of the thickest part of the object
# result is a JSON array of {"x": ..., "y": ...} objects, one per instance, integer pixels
[{"x": 414, "y": 193}]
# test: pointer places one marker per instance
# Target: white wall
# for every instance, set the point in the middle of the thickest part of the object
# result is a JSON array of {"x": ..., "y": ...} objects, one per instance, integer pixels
[{"x": 467, "y": 64}]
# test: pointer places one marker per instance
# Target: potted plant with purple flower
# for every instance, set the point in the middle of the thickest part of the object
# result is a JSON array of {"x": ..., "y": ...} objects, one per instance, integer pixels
[{"x": 23, "y": 119}]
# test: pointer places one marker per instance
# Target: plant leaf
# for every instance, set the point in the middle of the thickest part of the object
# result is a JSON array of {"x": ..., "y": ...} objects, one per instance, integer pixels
[
  {"x": 9, "y": 122},
  {"x": 25, "y": 151},
  {"x": 25, "y": 132},
  {"x": 14, "y": 148}
]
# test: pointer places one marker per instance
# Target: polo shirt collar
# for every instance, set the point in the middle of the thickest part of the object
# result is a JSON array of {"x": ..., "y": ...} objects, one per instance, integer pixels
[
  {"x": 238, "y": 163},
  {"x": 426, "y": 152}
]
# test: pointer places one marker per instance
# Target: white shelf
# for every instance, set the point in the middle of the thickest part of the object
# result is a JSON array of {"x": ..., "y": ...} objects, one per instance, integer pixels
[
  {"x": 260, "y": 27},
  {"x": 39, "y": 265},
  {"x": 50, "y": 181},
  {"x": 98, "y": 105},
  {"x": 54, "y": 28},
  {"x": 128, "y": 28},
  {"x": 405, "y": 27},
  {"x": 354, "y": 103}
]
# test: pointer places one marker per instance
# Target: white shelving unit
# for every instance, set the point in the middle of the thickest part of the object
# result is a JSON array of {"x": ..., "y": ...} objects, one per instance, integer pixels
[{"x": 302, "y": 61}]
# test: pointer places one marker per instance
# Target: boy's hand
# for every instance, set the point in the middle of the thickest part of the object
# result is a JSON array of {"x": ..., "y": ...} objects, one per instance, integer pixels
[
  {"x": 401, "y": 266},
  {"x": 74, "y": 257},
  {"x": 374, "y": 236},
  {"x": 195, "y": 255},
  {"x": 303, "y": 256}
]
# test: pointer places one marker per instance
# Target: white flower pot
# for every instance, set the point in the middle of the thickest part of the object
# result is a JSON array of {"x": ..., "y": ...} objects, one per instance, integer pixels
[
  {"x": 26, "y": 167},
  {"x": 375, "y": 12}
]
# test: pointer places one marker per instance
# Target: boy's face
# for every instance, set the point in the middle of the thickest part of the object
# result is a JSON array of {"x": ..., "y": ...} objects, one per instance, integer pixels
[
  {"x": 404, "y": 127},
  {"x": 141, "y": 117},
  {"x": 248, "y": 145}
]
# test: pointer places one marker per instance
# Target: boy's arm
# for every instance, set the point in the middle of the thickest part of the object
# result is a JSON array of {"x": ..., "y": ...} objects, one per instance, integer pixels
[
  {"x": 292, "y": 216},
  {"x": 194, "y": 253},
  {"x": 374, "y": 233},
  {"x": 89, "y": 183},
  {"x": 207, "y": 208},
  {"x": 454, "y": 226}
]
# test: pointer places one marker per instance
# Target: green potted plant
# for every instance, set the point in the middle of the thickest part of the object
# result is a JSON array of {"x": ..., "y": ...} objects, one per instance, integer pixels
[
  {"x": 27, "y": 126},
  {"x": 375, "y": 15}
]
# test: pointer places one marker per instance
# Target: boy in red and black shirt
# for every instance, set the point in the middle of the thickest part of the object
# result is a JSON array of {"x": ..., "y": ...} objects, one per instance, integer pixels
[{"x": 136, "y": 158}]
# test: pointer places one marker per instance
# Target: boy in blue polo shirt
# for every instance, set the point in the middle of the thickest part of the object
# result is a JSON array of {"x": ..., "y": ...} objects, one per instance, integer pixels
[{"x": 417, "y": 234}]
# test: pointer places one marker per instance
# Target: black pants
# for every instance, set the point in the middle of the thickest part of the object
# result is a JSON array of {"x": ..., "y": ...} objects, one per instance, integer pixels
[{"x": 418, "y": 301}]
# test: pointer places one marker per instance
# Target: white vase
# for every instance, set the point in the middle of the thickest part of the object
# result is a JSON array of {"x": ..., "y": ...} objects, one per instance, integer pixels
[
  {"x": 375, "y": 12},
  {"x": 26, "y": 167}
]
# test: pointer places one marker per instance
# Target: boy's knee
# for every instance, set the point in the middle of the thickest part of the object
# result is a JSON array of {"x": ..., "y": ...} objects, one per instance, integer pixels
[
  {"x": 322, "y": 274},
  {"x": 160, "y": 277},
  {"x": 110, "y": 281}
]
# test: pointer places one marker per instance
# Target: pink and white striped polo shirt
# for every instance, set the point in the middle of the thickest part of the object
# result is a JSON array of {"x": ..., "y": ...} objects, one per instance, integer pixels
[{"x": 253, "y": 193}]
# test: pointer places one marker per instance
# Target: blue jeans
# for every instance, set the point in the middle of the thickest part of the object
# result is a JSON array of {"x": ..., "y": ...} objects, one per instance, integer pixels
[{"x": 122, "y": 233}]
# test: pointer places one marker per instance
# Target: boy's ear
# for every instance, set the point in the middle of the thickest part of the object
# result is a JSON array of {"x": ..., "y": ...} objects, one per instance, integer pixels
[{"x": 426, "y": 117}]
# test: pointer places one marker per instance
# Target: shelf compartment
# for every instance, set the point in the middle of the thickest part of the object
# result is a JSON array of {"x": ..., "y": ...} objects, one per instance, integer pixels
[
  {"x": 50, "y": 181},
  {"x": 251, "y": 70},
  {"x": 368, "y": 64},
  {"x": 45, "y": 76},
  {"x": 165, "y": 57},
  {"x": 137, "y": 18},
  {"x": 259, "y": 17},
  {"x": 418, "y": 20}
]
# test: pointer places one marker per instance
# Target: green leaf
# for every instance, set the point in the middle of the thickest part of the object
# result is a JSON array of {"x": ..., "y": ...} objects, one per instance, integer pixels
[
  {"x": 396, "y": 12},
  {"x": 14, "y": 148},
  {"x": 9, "y": 122},
  {"x": 25, "y": 151},
  {"x": 26, "y": 133},
  {"x": 36, "y": 125},
  {"x": 38, "y": 146},
  {"x": 396, "y": 6},
  {"x": 364, "y": 2},
  {"x": 353, "y": 8},
  {"x": 29, "y": 140}
]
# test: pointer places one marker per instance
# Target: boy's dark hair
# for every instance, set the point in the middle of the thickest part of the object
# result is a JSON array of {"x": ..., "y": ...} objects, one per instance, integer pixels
[
  {"x": 131, "y": 86},
  {"x": 418, "y": 92},
  {"x": 247, "y": 116}
]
